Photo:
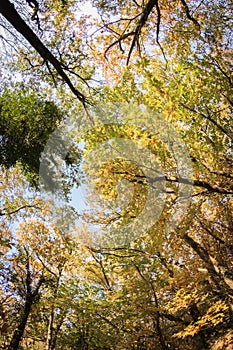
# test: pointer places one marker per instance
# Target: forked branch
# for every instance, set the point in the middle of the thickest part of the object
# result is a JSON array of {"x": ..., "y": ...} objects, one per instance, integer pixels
[{"x": 8, "y": 10}]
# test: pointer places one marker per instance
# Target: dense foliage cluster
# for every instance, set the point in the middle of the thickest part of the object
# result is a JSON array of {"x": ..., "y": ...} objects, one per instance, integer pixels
[{"x": 59, "y": 290}]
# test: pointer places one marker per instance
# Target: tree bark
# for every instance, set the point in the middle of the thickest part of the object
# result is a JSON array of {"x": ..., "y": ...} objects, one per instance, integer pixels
[
  {"x": 18, "y": 334},
  {"x": 217, "y": 278},
  {"x": 50, "y": 330},
  {"x": 29, "y": 300}
]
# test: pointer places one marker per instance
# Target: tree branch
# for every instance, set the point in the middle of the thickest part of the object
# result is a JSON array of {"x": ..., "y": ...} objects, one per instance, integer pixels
[
  {"x": 7, "y": 9},
  {"x": 188, "y": 14},
  {"x": 2, "y": 213},
  {"x": 141, "y": 23},
  {"x": 196, "y": 183},
  {"x": 208, "y": 117}
]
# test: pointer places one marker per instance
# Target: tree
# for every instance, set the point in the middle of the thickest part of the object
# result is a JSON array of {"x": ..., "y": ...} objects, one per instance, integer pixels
[
  {"x": 37, "y": 258},
  {"x": 26, "y": 122},
  {"x": 194, "y": 95},
  {"x": 163, "y": 288},
  {"x": 8, "y": 10}
]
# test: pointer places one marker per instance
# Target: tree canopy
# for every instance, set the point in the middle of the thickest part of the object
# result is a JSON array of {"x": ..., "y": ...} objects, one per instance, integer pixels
[{"x": 131, "y": 102}]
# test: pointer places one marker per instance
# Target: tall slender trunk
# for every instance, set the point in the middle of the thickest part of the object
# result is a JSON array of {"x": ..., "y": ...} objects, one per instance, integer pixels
[
  {"x": 55, "y": 333},
  {"x": 30, "y": 297},
  {"x": 31, "y": 294},
  {"x": 18, "y": 333},
  {"x": 50, "y": 330},
  {"x": 157, "y": 317}
]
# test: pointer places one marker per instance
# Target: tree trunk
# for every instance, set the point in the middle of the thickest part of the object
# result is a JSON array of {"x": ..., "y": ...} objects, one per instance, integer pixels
[
  {"x": 30, "y": 298},
  {"x": 50, "y": 330},
  {"x": 217, "y": 278},
  {"x": 55, "y": 333},
  {"x": 18, "y": 334}
]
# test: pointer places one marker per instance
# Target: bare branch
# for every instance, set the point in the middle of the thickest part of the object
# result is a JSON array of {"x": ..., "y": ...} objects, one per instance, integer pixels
[
  {"x": 196, "y": 183},
  {"x": 7, "y": 9},
  {"x": 5, "y": 212},
  {"x": 122, "y": 37},
  {"x": 141, "y": 23},
  {"x": 188, "y": 14}
]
